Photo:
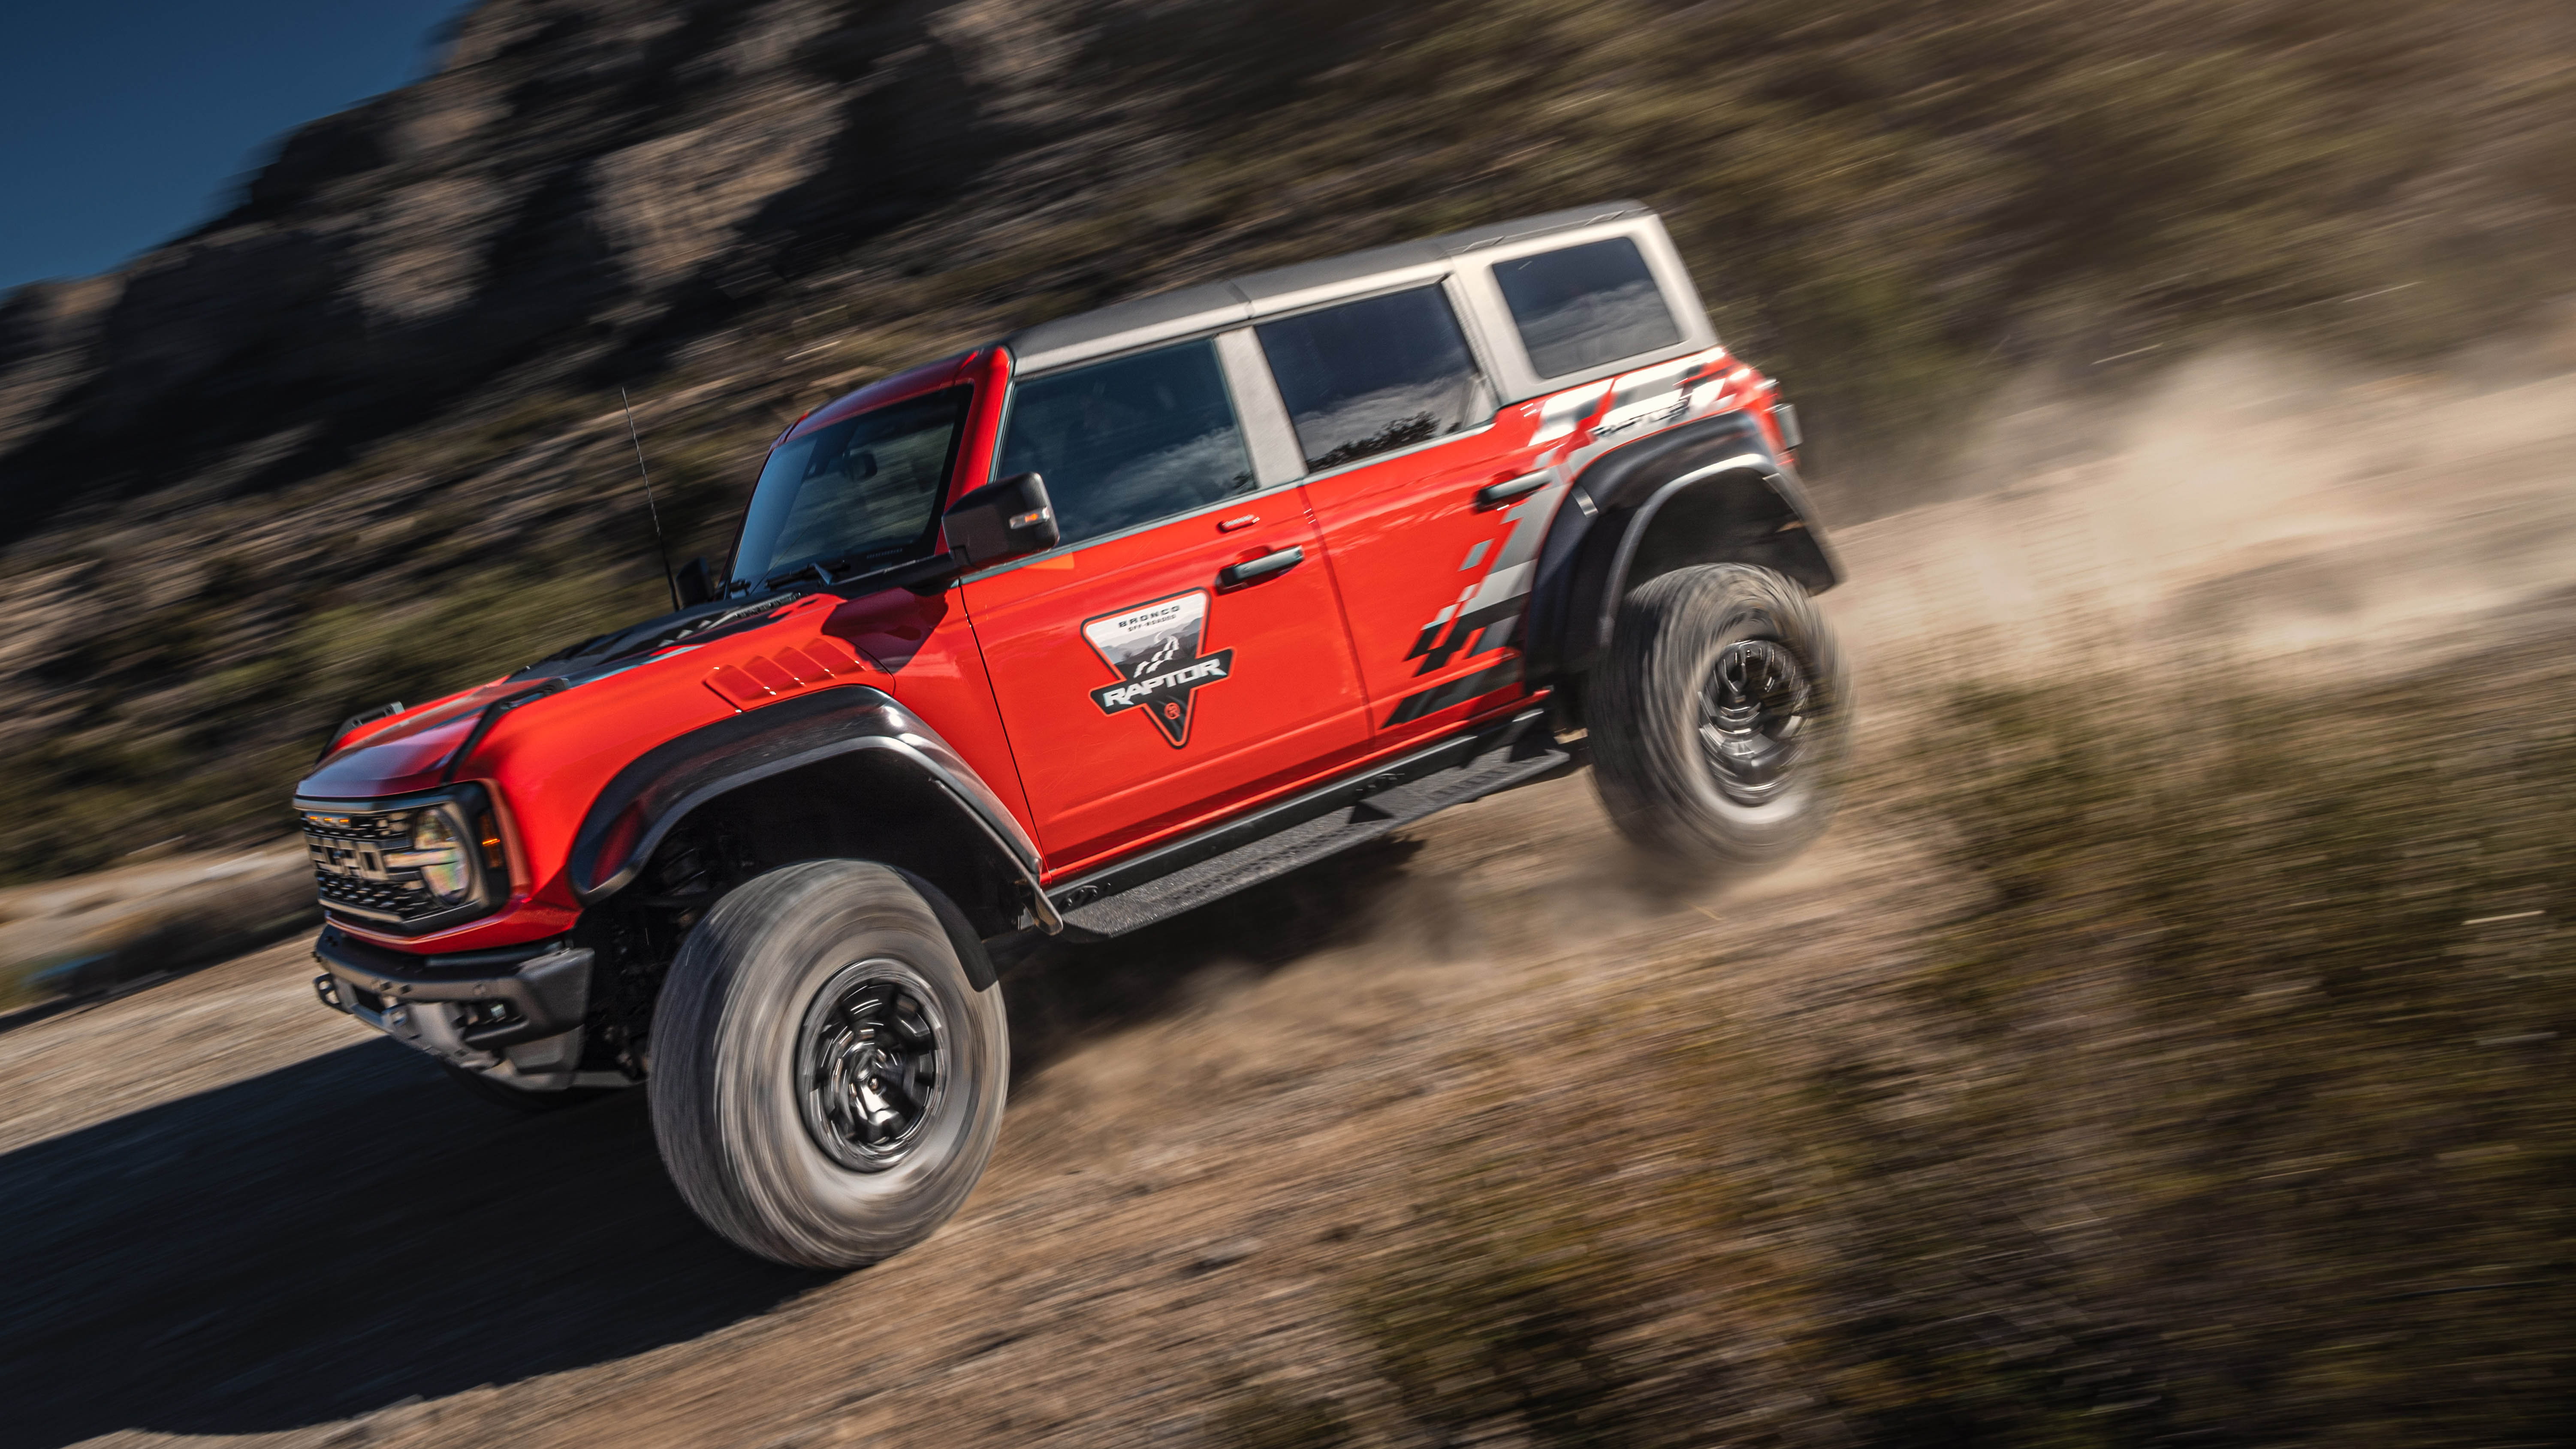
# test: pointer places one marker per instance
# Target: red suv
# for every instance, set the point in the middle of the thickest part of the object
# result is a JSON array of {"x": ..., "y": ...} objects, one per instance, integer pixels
[{"x": 1068, "y": 634}]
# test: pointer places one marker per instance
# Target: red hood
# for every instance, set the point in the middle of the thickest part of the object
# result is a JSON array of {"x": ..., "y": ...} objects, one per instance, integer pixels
[{"x": 414, "y": 750}]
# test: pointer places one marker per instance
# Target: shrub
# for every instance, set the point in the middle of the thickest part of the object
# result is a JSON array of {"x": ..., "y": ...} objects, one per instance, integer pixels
[{"x": 2230, "y": 1106}]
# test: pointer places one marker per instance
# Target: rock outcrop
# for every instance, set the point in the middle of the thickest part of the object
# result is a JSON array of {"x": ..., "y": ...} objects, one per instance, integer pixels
[
  {"x": 577, "y": 175},
  {"x": 244, "y": 477}
]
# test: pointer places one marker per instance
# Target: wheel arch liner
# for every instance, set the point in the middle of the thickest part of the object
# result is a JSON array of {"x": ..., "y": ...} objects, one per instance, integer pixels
[
  {"x": 659, "y": 788},
  {"x": 1717, "y": 469},
  {"x": 971, "y": 955}
]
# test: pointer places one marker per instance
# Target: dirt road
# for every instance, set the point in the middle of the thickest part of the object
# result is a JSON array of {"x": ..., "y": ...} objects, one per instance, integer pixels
[{"x": 227, "y": 1216}]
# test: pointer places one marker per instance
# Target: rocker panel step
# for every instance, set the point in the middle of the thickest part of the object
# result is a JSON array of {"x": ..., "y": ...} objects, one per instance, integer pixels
[{"x": 1518, "y": 757}]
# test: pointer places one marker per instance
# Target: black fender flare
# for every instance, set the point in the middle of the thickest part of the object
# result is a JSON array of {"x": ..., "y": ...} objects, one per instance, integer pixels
[
  {"x": 1748, "y": 505},
  {"x": 658, "y": 788}
]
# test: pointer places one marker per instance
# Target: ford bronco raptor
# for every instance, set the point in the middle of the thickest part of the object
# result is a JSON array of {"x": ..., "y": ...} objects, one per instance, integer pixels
[{"x": 1068, "y": 634}]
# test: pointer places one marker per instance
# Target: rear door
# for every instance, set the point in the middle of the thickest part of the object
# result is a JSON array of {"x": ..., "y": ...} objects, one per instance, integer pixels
[
  {"x": 1398, "y": 425},
  {"x": 1182, "y": 651},
  {"x": 1435, "y": 537}
]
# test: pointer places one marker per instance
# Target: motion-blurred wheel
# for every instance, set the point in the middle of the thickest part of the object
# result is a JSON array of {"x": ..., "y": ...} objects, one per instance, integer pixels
[
  {"x": 1718, "y": 718},
  {"x": 826, "y": 1082}
]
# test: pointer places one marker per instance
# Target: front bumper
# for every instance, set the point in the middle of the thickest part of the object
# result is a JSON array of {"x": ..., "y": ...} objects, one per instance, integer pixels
[{"x": 514, "y": 1013}]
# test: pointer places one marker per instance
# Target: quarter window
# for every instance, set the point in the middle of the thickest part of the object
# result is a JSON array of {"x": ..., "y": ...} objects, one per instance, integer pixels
[
  {"x": 1586, "y": 306},
  {"x": 1371, "y": 376},
  {"x": 1127, "y": 442}
]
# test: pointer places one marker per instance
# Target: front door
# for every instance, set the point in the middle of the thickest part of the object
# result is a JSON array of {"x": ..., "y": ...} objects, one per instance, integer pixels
[{"x": 1183, "y": 651}]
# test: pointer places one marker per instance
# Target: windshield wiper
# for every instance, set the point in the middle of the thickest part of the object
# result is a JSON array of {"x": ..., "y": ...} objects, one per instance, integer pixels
[
  {"x": 838, "y": 569},
  {"x": 784, "y": 577}
]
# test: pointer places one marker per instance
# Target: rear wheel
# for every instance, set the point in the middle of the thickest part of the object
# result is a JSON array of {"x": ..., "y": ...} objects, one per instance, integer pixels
[
  {"x": 1719, "y": 716},
  {"x": 826, "y": 1083}
]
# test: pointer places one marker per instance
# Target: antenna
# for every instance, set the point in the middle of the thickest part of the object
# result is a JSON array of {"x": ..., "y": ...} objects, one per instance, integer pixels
[{"x": 660, "y": 552}]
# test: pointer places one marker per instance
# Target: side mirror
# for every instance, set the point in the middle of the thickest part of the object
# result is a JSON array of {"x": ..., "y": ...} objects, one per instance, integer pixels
[
  {"x": 1003, "y": 520},
  {"x": 693, "y": 582}
]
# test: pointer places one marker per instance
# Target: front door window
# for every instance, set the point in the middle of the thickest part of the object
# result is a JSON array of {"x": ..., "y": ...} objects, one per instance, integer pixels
[
  {"x": 1129, "y": 441},
  {"x": 1182, "y": 654}
]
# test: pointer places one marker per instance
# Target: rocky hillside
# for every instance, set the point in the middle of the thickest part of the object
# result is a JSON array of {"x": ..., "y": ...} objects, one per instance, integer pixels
[{"x": 359, "y": 437}]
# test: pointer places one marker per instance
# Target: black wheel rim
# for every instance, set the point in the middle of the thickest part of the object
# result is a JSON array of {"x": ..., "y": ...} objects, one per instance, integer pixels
[
  {"x": 1753, "y": 710},
  {"x": 870, "y": 1064}
]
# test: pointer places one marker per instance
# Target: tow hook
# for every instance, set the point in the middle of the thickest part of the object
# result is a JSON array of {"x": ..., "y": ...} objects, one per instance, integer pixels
[{"x": 327, "y": 987}]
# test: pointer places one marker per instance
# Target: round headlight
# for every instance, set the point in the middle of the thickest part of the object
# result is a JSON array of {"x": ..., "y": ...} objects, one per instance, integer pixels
[{"x": 438, "y": 852}]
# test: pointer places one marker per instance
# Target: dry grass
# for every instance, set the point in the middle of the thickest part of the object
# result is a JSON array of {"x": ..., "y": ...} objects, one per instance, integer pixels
[{"x": 2229, "y": 1105}]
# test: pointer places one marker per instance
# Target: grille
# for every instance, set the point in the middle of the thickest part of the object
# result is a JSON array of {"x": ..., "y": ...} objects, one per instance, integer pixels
[{"x": 349, "y": 867}]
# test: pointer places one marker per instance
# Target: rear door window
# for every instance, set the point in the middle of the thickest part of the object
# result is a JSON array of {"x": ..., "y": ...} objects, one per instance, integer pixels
[
  {"x": 1371, "y": 376},
  {"x": 1129, "y": 441},
  {"x": 1583, "y": 307}
]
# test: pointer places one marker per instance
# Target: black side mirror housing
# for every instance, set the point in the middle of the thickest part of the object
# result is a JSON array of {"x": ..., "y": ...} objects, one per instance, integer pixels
[
  {"x": 1003, "y": 520},
  {"x": 694, "y": 583}
]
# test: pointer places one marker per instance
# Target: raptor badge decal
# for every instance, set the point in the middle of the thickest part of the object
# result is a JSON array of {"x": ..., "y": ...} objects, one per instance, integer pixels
[{"x": 1154, "y": 650}]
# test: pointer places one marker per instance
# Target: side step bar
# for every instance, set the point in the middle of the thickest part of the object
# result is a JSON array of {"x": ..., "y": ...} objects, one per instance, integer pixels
[{"x": 1300, "y": 831}]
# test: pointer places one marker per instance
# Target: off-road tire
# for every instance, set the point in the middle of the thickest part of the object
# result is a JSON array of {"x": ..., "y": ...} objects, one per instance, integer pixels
[
  {"x": 502, "y": 1094},
  {"x": 1651, "y": 763},
  {"x": 730, "y": 1109}
]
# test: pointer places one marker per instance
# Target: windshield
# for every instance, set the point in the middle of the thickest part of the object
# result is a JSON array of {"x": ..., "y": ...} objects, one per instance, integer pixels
[{"x": 860, "y": 493}]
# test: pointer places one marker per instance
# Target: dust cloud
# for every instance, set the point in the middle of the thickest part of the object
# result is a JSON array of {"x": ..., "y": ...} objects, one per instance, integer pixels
[{"x": 2251, "y": 511}]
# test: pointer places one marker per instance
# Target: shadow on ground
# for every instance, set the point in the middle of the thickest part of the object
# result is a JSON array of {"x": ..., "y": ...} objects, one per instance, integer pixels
[
  {"x": 334, "y": 1237},
  {"x": 352, "y": 1230}
]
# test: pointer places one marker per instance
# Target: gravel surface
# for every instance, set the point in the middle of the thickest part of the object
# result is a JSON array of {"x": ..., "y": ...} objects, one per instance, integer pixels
[{"x": 285, "y": 1221}]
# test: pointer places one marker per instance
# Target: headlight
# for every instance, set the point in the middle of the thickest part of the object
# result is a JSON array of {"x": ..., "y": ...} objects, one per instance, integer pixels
[{"x": 438, "y": 853}]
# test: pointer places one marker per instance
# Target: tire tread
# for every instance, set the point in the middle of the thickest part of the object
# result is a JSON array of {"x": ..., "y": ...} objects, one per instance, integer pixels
[{"x": 718, "y": 1101}]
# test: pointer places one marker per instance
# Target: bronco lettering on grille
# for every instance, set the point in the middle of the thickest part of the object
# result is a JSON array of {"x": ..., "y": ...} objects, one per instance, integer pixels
[{"x": 362, "y": 865}]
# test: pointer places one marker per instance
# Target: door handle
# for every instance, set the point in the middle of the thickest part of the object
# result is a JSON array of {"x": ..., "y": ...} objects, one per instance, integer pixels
[
  {"x": 1494, "y": 495},
  {"x": 1237, "y": 575}
]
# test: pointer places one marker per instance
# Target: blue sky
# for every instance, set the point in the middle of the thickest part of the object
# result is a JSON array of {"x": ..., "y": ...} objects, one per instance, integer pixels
[{"x": 125, "y": 122}]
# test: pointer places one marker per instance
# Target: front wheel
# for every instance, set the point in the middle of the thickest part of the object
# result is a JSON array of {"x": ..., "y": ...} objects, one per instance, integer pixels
[
  {"x": 1719, "y": 715},
  {"x": 826, "y": 1082}
]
